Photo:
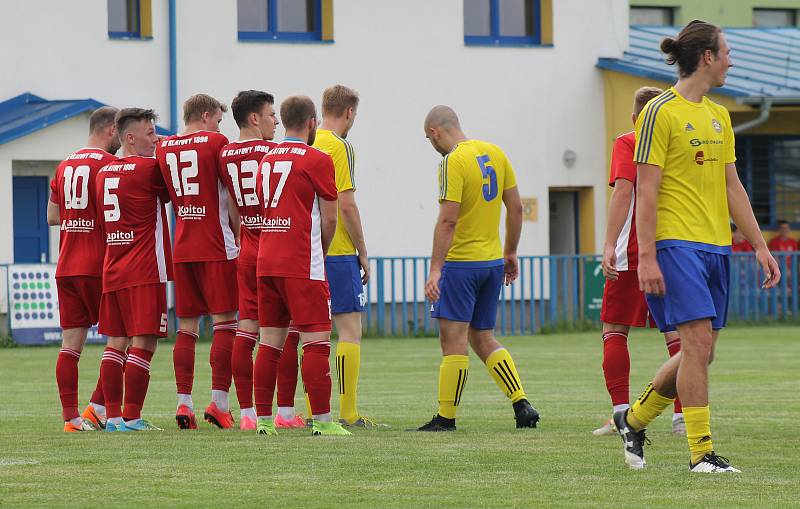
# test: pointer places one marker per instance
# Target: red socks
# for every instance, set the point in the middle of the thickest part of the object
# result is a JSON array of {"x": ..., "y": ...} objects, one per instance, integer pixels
[
  {"x": 617, "y": 366},
  {"x": 317, "y": 375},
  {"x": 287, "y": 371},
  {"x": 183, "y": 360},
  {"x": 221, "y": 353},
  {"x": 111, "y": 372},
  {"x": 673, "y": 347},
  {"x": 242, "y": 366},
  {"x": 265, "y": 373},
  {"x": 137, "y": 379},
  {"x": 97, "y": 395},
  {"x": 67, "y": 381}
]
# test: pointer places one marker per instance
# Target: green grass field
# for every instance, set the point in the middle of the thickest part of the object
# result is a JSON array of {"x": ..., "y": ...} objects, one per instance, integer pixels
[{"x": 486, "y": 463}]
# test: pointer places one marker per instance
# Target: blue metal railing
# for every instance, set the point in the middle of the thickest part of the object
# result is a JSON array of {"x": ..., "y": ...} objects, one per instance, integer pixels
[{"x": 552, "y": 291}]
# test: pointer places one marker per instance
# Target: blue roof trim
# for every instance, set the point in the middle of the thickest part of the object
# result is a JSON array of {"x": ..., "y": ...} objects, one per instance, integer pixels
[
  {"x": 27, "y": 113},
  {"x": 766, "y": 60}
]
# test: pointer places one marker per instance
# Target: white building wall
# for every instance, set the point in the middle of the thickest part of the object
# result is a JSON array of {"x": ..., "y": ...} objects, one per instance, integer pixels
[{"x": 403, "y": 58}]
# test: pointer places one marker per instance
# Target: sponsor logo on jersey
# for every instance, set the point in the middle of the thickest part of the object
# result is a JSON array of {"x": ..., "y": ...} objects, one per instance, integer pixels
[
  {"x": 253, "y": 222},
  {"x": 689, "y": 126},
  {"x": 191, "y": 212},
  {"x": 695, "y": 142},
  {"x": 716, "y": 125},
  {"x": 276, "y": 224},
  {"x": 79, "y": 225},
  {"x": 119, "y": 238},
  {"x": 699, "y": 158}
]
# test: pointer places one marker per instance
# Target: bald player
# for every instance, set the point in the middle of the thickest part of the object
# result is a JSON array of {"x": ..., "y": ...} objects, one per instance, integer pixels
[{"x": 469, "y": 266}]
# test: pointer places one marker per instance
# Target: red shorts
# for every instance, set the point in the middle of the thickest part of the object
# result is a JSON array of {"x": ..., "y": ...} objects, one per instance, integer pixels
[
  {"x": 248, "y": 292},
  {"x": 624, "y": 302},
  {"x": 205, "y": 288},
  {"x": 79, "y": 300},
  {"x": 303, "y": 302},
  {"x": 135, "y": 311}
]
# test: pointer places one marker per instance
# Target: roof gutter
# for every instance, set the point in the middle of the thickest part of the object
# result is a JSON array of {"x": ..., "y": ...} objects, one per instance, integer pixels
[{"x": 766, "y": 106}]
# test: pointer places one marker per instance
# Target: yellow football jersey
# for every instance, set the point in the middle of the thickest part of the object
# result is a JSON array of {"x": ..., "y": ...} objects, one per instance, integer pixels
[
  {"x": 692, "y": 143},
  {"x": 475, "y": 174},
  {"x": 344, "y": 163}
]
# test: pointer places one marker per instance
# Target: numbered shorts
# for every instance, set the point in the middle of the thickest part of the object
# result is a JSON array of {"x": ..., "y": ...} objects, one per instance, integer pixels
[
  {"x": 248, "y": 292},
  {"x": 344, "y": 278},
  {"x": 468, "y": 292},
  {"x": 79, "y": 300},
  {"x": 205, "y": 288},
  {"x": 624, "y": 303},
  {"x": 303, "y": 302},
  {"x": 696, "y": 284},
  {"x": 135, "y": 311}
]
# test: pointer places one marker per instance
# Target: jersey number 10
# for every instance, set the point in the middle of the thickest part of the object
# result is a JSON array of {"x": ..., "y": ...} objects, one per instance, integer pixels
[{"x": 76, "y": 187}]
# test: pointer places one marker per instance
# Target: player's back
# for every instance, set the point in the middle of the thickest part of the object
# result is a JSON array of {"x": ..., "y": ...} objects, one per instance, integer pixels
[
  {"x": 81, "y": 243},
  {"x": 190, "y": 166},
  {"x": 343, "y": 155},
  {"x": 133, "y": 193},
  {"x": 293, "y": 177},
  {"x": 475, "y": 174},
  {"x": 239, "y": 161},
  {"x": 624, "y": 167}
]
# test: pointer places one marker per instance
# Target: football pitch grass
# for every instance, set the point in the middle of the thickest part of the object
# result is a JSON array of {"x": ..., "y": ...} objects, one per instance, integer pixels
[{"x": 755, "y": 408}]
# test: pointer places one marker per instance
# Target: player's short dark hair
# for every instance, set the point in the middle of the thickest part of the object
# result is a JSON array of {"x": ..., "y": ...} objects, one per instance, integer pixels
[
  {"x": 102, "y": 118},
  {"x": 782, "y": 222},
  {"x": 247, "y": 102},
  {"x": 196, "y": 105},
  {"x": 296, "y": 110},
  {"x": 127, "y": 116},
  {"x": 686, "y": 50},
  {"x": 643, "y": 96},
  {"x": 336, "y": 100}
]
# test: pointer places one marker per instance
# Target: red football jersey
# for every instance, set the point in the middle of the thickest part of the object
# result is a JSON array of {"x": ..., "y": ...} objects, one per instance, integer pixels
[
  {"x": 292, "y": 178},
  {"x": 131, "y": 194},
  {"x": 239, "y": 161},
  {"x": 741, "y": 247},
  {"x": 623, "y": 167},
  {"x": 81, "y": 243},
  {"x": 779, "y": 244},
  {"x": 190, "y": 166}
]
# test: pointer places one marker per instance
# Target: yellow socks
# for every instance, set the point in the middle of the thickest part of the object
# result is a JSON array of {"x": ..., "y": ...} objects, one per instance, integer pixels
[
  {"x": 452, "y": 378},
  {"x": 698, "y": 431},
  {"x": 501, "y": 368},
  {"x": 649, "y": 406},
  {"x": 348, "y": 362}
]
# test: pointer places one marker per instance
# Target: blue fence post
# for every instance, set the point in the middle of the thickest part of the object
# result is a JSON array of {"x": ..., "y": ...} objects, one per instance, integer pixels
[
  {"x": 394, "y": 297},
  {"x": 532, "y": 306},
  {"x": 414, "y": 311},
  {"x": 795, "y": 288},
  {"x": 380, "y": 299},
  {"x": 426, "y": 315},
  {"x": 405, "y": 303}
]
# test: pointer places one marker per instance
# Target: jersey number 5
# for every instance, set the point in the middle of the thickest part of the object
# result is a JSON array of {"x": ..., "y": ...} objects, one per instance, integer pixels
[
  {"x": 244, "y": 182},
  {"x": 282, "y": 167},
  {"x": 76, "y": 187},
  {"x": 489, "y": 188},
  {"x": 180, "y": 176},
  {"x": 110, "y": 198}
]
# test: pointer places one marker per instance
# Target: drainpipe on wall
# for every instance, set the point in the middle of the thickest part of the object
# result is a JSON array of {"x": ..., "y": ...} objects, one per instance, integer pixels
[
  {"x": 766, "y": 105},
  {"x": 173, "y": 70}
]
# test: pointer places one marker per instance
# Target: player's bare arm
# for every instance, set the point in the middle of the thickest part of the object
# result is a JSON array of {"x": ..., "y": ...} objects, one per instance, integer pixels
[
  {"x": 618, "y": 208},
  {"x": 351, "y": 217},
  {"x": 442, "y": 238},
  {"x": 328, "y": 225},
  {"x": 53, "y": 215},
  {"x": 513, "y": 205},
  {"x": 648, "y": 182},
  {"x": 742, "y": 214}
]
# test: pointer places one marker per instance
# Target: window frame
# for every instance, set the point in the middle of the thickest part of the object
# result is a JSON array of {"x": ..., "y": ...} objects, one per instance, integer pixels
[
  {"x": 744, "y": 168},
  {"x": 143, "y": 23},
  {"x": 671, "y": 9},
  {"x": 794, "y": 12},
  {"x": 272, "y": 33},
  {"x": 496, "y": 39}
]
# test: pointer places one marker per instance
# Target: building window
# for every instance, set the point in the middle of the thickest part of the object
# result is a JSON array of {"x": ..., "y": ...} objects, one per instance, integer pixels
[
  {"x": 130, "y": 19},
  {"x": 769, "y": 168},
  {"x": 508, "y": 22},
  {"x": 660, "y": 16},
  {"x": 285, "y": 20},
  {"x": 774, "y": 17}
]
